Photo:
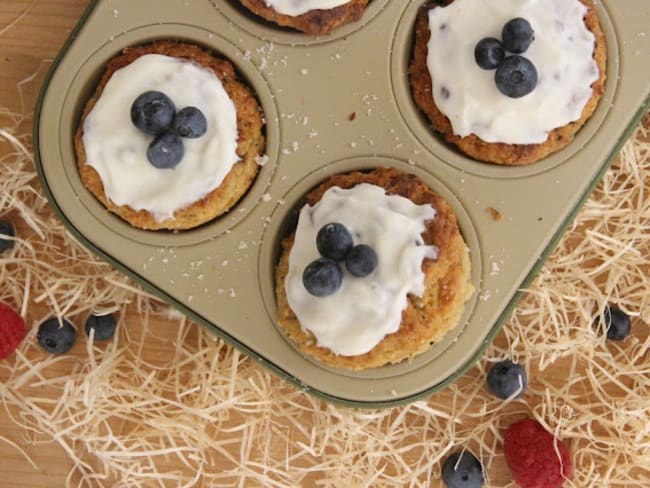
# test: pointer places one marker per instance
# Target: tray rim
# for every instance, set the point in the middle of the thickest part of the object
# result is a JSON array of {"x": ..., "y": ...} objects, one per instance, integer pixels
[{"x": 212, "y": 328}]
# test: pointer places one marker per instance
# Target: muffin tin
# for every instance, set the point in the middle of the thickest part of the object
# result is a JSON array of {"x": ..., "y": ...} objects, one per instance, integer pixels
[{"x": 332, "y": 104}]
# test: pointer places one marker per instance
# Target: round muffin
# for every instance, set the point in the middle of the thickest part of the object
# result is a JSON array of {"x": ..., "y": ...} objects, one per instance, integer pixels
[
  {"x": 425, "y": 319},
  {"x": 249, "y": 144},
  {"x": 315, "y": 22},
  {"x": 497, "y": 151}
]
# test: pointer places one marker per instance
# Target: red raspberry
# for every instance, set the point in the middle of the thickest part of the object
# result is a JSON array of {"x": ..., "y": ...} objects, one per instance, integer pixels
[
  {"x": 532, "y": 458},
  {"x": 12, "y": 330}
]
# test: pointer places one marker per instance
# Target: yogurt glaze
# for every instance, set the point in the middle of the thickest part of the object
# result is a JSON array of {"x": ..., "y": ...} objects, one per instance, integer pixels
[
  {"x": 364, "y": 310},
  {"x": 562, "y": 53},
  {"x": 116, "y": 149},
  {"x": 294, "y": 8}
]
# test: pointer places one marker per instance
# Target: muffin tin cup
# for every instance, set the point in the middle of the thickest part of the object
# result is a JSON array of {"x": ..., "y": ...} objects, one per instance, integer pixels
[
  {"x": 282, "y": 223},
  {"x": 332, "y": 104},
  {"x": 418, "y": 123},
  {"x": 83, "y": 86}
]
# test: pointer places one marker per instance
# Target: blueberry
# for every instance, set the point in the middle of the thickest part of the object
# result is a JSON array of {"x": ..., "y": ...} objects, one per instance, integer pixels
[
  {"x": 489, "y": 53},
  {"x": 166, "y": 151},
  {"x": 468, "y": 473},
  {"x": 517, "y": 35},
  {"x": 361, "y": 260},
  {"x": 334, "y": 241},
  {"x": 516, "y": 77},
  {"x": 6, "y": 229},
  {"x": 322, "y": 277},
  {"x": 503, "y": 379},
  {"x": 103, "y": 325},
  {"x": 56, "y": 338},
  {"x": 153, "y": 112},
  {"x": 190, "y": 122},
  {"x": 616, "y": 322}
]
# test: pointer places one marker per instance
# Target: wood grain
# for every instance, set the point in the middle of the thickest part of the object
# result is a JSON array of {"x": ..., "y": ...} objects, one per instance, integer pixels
[{"x": 31, "y": 34}]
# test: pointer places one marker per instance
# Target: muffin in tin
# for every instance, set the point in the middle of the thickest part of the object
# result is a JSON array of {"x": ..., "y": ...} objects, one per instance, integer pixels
[
  {"x": 314, "y": 17},
  {"x": 409, "y": 300},
  {"x": 216, "y": 168},
  {"x": 564, "y": 78}
]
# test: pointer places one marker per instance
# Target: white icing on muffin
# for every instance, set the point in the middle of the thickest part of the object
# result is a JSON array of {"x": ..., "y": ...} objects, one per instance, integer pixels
[
  {"x": 117, "y": 150},
  {"x": 363, "y": 311},
  {"x": 294, "y": 8},
  {"x": 562, "y": 53}
]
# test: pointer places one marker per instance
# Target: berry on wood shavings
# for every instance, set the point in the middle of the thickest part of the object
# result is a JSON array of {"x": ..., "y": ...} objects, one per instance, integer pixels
[
  {"x": 12, "y": 330},
  {"x": 102, "y": 327},
  {"x": 535, "y": 457},
  {"x": 56, "y": 336},
  {"x": 507, "y": 379},
  {"x": 7, "y": 235}
]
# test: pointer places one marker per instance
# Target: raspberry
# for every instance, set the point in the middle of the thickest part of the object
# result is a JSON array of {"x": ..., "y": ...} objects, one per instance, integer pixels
[
  {"x": 532, "y": 458},
  {"x": 12, "y": 330}
]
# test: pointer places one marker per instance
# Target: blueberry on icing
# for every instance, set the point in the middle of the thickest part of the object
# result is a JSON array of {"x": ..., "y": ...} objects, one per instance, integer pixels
[
  {"x": 153, "y": 112},
  {"x": 166, "y": 151},
  {"x": 322, "y": 277},
  {"x": 334, "y": 241},
  {"x": 190, "y": 122},
  {"x": 489, "y": 53},
  {"x": 517, "y": 35},
  {"x": 516, "y": 76},
  {"x": 361, "y": 260}
]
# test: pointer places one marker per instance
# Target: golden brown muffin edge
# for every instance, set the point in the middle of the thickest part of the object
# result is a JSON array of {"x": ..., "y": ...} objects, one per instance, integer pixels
[
  {"x": 472, "y": 145},
  {"x": 314, "y": 22},
  {"x": 250, "y": 143},
  {"x": 426, "y": 319}
]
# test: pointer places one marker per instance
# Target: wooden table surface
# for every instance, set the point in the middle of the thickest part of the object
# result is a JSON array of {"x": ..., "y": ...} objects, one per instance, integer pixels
[
  {"x": 28, "y": 44},
  {"x": 31, "y": 34}
]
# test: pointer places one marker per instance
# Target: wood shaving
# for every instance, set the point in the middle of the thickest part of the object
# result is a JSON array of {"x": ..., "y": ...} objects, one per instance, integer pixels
[{"x": 176, "y": 407}]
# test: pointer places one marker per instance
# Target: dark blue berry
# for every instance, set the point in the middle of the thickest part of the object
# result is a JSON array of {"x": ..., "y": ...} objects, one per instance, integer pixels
[
  {"x": 516, "y": 77},
  {"x": 55, "y": 337},
  {"x": 322, "y": 277},
  {"x": 190, "y": 122},
  {"x": 489, "y": 53},
  {"x": 153, "y": 112},
  {"x": 468, "y": 473},
  {"x": 6, "y": 230},
  {"x": 334, "y": 241},
  {"x": 166, "y": 151},
  {"x": 616, "y": 322},
  {"x": 103, "y": 325},
  {"x": 504, "y": 378},
  {"x": 361, "y": 260},
  {"x": 517, "y": 35}
]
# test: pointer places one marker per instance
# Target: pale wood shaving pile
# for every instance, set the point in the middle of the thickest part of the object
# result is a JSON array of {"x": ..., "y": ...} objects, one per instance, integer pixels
[{"x": 176, "y": 407}]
